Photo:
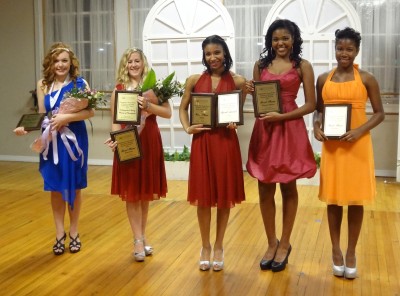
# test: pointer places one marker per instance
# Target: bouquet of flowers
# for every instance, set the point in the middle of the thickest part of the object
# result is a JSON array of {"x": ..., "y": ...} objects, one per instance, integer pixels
[
  {"x": 163, "y": 89},
  {"x": 78, "y": 99},
  {"x": 74, "y": 101}
]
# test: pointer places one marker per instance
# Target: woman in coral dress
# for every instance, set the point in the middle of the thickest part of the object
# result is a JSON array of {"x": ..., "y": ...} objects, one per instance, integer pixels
[
  {"x": 215, "y": 174},
  {"x": 279, "y": 150},
  {"x": 64, "y": 171},
  {"x": 140, "y": 181},
  {"x": 347, "y": 164}
]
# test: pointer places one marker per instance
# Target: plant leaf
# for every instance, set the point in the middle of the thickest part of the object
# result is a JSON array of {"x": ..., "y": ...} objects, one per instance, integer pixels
[
  {"x": 168, "y": 79},
  {"x": 150, "y": 81}
]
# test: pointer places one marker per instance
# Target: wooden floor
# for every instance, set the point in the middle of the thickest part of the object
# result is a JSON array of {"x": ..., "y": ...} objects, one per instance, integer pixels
[{"x": 105, "y": 265}]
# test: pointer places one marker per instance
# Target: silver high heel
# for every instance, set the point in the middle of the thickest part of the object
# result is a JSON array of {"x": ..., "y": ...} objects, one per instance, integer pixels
[
  {"x": 204, "y": 265},
  {"x": 219, "y": 265},
  {"x": 148, "y": 250},
  {"x": 139, "y": 256}
]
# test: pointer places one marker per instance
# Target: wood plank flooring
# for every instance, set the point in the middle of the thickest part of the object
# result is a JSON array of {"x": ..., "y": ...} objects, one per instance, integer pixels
[{"x": 105, "y": 265}]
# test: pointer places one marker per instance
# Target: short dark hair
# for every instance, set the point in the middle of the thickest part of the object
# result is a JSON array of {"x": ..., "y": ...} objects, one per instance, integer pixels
[
  {"x": 348, "y": 33},
  {"x": 215, "y": 39},
  {"x": 268, "y": 54}
]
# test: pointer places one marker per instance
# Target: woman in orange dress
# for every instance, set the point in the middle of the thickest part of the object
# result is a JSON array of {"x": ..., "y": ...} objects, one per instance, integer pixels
[
  {"x": 215, "y": 173},
  {"x": 340, "y": 185},
  {"x": 140, "y": 181}
]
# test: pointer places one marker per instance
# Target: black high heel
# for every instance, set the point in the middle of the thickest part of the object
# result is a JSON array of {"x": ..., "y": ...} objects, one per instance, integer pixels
[
  {"x": 266, "y": 264},
  {"x": 59, "y": 246},
  {"x": 74, "y": 245},
  {"x": 279, "y": 266}
]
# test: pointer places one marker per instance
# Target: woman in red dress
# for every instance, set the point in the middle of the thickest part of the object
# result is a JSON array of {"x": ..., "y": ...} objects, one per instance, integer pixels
[
  {"x": 216, "y": 174},
  {"x": 140, "y": 181}
]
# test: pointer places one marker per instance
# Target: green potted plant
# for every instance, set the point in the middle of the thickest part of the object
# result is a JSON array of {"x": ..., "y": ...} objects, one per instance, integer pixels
[{"x": 177, "y": 164}]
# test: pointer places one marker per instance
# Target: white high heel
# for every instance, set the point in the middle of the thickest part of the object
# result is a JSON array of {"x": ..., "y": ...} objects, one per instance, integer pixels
[
  {"x": 219, "y": 265},
  {"x": 350, "y": 273},
  {"x": 204, "y": 265},
  {"x": 338, "y": 270}
]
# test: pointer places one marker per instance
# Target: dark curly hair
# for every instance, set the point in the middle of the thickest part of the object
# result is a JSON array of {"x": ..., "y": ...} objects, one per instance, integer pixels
[
  {"x": 215, "y": 39},
  {"x": 268, "y": 54},
  {"x": 348, "y": 33}
]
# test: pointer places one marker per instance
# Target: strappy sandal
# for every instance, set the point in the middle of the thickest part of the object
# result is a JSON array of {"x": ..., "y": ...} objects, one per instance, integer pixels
[
  {"x": 139, "y": 256},
  {"x": 59, "y": 246},
  {"x": 74, "y": 244}
]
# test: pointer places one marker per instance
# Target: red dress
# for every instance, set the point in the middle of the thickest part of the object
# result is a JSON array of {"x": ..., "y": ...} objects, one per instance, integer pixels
[
  {"x": 142, "y": 179},
  {"x": 280, "y": 152},
  {"x": 215, "y": 174}
]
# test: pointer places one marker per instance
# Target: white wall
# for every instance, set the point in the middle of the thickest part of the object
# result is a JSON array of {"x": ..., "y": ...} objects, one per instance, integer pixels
[{"x": 17, "y": 74}]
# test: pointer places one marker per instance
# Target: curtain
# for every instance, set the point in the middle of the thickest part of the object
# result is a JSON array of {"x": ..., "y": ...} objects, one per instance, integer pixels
[
  {"x": 88, "y": 26},
  {"x": 380, "y": 21},
  {"x": 139, "y": 11}
]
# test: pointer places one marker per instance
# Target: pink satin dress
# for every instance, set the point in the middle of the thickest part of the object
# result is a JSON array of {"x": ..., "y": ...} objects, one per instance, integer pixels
[{"x": 280, "y": 152}]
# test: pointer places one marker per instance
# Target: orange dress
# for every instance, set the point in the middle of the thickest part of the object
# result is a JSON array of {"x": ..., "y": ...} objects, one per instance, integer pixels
[{"x": 347, "y": 169}]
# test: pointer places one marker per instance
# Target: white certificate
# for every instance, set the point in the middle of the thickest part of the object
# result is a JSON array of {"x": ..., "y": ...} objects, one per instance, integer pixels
[
  {"x": 229, "y": 108},
  {"x": 336, "y": 120}
]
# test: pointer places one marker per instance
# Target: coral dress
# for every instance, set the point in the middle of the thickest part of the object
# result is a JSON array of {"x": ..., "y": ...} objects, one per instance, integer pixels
[
  {"x": 280, "y": 152},
  {"x": 347, "y": 169},
  {"x": 145, "y": 178},
  {"x": 68, "y": 175},
  {"x": 215, "y": 173}
]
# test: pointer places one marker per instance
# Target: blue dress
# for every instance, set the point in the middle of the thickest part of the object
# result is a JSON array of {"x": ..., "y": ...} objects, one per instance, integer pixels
[{"x": 68, "y": 175}]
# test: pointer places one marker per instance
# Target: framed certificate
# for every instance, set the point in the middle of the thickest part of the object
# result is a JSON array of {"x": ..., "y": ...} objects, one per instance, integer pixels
[
  {"x": 126, "y": 107},
  {"x": 267, "y": 97},
  {"x": 229, "y": 108},
  {"x": 336, "y": 120},
  {"x": 202, "y": 109},
  {"x": 31, "y": 122},
  {"x": 128, "y": 144}
]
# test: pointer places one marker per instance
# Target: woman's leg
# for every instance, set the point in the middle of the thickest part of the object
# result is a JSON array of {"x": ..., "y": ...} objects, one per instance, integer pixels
[
  {"x": 74, "y": 214},
  {"x": 134, "y": 211},
  {"x": 74, "y": 220},
  {"x": 58, "y": 207},
  {"x": 335, "y": 215},
  {"x": 355, "y": 218},
  {"x": 204, "y": 219},
  {"x": 222, "y": 222},
  {"x": 266, "y": 192},
  {"x": 289, "y": 210},
  {"x": 145, "y": 213}
]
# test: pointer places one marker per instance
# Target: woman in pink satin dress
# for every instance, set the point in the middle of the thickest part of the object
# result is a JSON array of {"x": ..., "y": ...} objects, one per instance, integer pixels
[{"x": 279, "y": 150}]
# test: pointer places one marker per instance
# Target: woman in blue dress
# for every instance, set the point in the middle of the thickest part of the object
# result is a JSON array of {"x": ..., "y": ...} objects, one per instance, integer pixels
[{"x": 63, "y": 163}]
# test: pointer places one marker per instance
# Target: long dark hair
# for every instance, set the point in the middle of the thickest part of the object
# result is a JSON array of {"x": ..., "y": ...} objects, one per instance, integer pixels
[
  {"x": 348, "y": 33},
  {"x": 215, "y": 39},
  {"x": 268, "y": 54}
]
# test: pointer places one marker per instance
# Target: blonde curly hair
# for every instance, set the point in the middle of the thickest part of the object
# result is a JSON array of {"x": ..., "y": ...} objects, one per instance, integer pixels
[
  {"x": 49, "y": 60},
  {"x": 122, "y": 73}
]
